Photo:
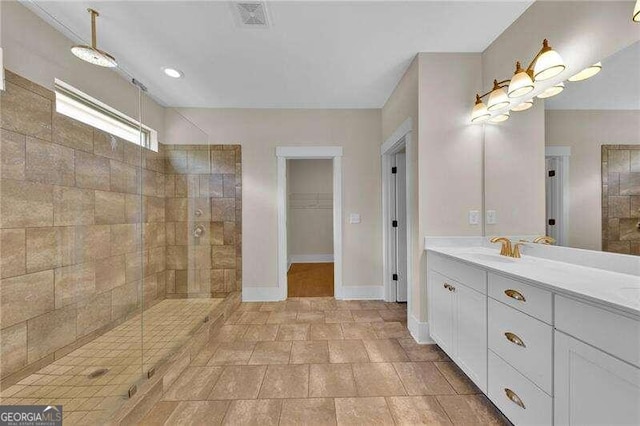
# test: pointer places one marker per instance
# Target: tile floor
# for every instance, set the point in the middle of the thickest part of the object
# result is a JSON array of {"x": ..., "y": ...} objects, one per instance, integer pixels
[
  {"x": 65, "y": 382},
  {"x": 319, "y": 361}
]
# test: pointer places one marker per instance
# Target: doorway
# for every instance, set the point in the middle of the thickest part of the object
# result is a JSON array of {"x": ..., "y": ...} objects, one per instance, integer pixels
[
  {"x": 321, "y": 199},
  {"x": 557, "y": 193},
  {"x": 397, "y": 208},
  {"x": 310, "y": 228}
]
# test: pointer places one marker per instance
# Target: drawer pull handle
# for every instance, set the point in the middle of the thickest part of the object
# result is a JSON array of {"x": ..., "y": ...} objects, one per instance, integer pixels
[
  {"x": 449, "y": 287},
  {"x": 515, "y": 295},
  {"x": 514, "y": 398},
  {"x": 514, "y": 339}
]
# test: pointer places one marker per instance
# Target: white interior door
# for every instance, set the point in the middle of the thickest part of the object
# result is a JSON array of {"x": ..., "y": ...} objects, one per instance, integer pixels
[
  {"x": 400, "y": 192},
  {"x": 553, "y": 183}
]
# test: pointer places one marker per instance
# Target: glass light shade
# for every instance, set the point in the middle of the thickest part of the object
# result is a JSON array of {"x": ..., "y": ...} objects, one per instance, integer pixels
[
  {"x": 173, "y": 73},
  {"x": 636, "y": 12},
  {"x": 498, "y": 99},
  {"x": 480, "y": 113},
  {"x": 552, "y": 91},
  {"x": 500, "y": 118},
  {"x": 549, "y": 63},
  {"x": 587, "y": 72},
  {"x": 523, "y": 106},
  {"x": 94, "y": 56},
  {"x": 520, "y": 85}
]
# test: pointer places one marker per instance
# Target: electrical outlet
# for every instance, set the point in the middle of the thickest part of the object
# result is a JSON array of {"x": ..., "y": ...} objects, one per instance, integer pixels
[
  {"x": 492, "y": 217},
  {"x": 354, "y": 218},
  {"x": 474, "y": 217}
]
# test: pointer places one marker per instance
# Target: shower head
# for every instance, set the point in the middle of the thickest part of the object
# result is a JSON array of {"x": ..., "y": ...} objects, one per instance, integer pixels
[{"x": 92, "y": 54}]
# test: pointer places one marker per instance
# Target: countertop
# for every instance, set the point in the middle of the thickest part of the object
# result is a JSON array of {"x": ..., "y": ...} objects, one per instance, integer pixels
[{"x": 611, "y": 289}]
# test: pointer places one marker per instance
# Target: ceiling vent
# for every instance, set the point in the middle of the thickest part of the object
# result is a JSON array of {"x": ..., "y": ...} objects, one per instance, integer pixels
[{"x": 251, "y": 14}]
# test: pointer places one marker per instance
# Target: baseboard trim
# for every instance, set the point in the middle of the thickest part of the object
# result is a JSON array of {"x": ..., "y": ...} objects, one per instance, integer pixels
[
  {"x": 372, "y": 292},
  {"x": 261, "y": 294},
  {"x": 419, "y": 331},
  {"x": 311, "y": 258}
]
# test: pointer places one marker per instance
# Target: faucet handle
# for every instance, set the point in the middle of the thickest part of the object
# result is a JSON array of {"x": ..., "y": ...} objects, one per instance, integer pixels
[
  {"x": 544, "y": 239},
  {"x": 516, "y": 249}
]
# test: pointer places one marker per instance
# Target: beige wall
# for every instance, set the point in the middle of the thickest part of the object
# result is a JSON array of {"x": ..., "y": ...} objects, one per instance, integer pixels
[
  {"x": 583, "y": 33},
  {"x": 402, "y": 105},
  {"x": 585, "y": 132},
  {"x": 259, "y": 132},
  {"x": 449, "y": 149},
  {"x": 35, "y": 50},
  {"x": 310, "y": 213}
]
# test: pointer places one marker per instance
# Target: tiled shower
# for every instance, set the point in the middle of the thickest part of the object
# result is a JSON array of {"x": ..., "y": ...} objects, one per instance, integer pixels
[{"x": 111, "y": 253}]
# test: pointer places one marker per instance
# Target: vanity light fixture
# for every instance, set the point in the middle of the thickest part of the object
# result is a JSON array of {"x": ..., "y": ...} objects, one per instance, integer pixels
[
  {"x": 521, "y": 82},
  {"x": 636, "y": 12},
  {"x": 172, "y": 72},
  {"x": 588, "y": 72},
  {"x": 523, "y": 106},
  {"x": 547, "y": 64},
  {"x": 92, "y": 54},
  {"x": 480, "y": 112},
  {"x": 551, "y": 91},
  {"x": 499, "y": 118},
  {"x": 498, "y": 98}
]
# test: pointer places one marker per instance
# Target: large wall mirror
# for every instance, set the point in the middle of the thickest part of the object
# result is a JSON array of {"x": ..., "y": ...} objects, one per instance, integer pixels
[{"x": 591, "y": 162}]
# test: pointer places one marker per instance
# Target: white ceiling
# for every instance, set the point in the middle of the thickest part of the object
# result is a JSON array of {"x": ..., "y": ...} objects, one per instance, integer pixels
[
  {"x": 616, "y": 87},
  {"x": 340, "y": 54}
]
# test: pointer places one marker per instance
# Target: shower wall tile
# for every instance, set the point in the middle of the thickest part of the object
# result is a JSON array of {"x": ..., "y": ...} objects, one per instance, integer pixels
[
  {"x": 13, "y": 351},
  {"x": 12, "y": 155},
  {"x": 25, "y": 296},
  {"x": 74, "y": 283},
  {"x": 125, "y": 299},
  {"x": 94, "y": 314},
  {"x": 110, "y": 273},
  {"x": 48, "y": 162},
  {"x": 49, "y": 247},
  {"x": 223, "y": 161},
  {"x": 26, "y": 112},
  {"x": 125, "y": 238},
  {"x": 109, "y": 207},
  {"x": 92, "y": 171},
  {"x": 50, "y": 331},
  {"x": 91, "y": 242},
  {"x": 176, "y": 209},
  {"x": 25, "y": 204},
  {"x": 223, "y": 257},
  {"x": 12, "y": 255},
  {"x": 223, "y": 209},
  {"x": 107, "y": 145},
  {"x": 125, "y": 178},
  {"x": 73, "y": 206},
  {"x": 72, "y": 133}
]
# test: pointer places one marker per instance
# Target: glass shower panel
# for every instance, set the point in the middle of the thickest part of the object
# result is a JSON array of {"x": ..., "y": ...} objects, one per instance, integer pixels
[{"x": 71, "y": 240}]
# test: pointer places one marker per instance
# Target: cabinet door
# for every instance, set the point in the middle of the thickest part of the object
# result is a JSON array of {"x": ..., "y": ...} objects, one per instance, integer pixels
[
  {"x": 592, "y": 387},
  {"x": 441, "y": 312},
  {"x": 470, "y": 333}
]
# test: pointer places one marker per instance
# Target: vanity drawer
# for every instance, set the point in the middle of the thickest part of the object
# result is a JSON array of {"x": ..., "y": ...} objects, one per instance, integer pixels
[
  {"x": 468, "y": 275},
  {"x": 518, "y": 398},
  {"x": 524, "y": 297},
  {"x": 523, "y": 341},
  {"x": 615, "y": 334}
]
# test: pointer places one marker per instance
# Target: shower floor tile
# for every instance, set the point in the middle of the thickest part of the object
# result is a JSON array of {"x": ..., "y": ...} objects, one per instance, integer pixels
[{"x": 126, "y": 352}]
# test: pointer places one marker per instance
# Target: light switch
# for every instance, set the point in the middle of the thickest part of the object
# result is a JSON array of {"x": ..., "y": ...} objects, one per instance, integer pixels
[
  {"x": 492, "y": 217},
  {"x": 474, "y": 217},
  {"x": 354, "y": 218}
]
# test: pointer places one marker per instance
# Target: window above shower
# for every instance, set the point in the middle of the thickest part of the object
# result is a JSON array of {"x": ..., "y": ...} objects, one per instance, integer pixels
[{"x": 82, "y": 107}]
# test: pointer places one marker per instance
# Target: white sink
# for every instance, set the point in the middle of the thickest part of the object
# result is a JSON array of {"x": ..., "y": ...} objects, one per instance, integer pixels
[{"x": 487, "y": 257}]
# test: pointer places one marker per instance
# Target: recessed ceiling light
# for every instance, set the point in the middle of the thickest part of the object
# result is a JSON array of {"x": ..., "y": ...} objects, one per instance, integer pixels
[{"x": 173, "y": 73}]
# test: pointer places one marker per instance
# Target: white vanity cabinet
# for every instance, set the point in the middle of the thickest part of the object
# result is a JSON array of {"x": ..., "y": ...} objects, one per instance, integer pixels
[
  {"x": 542, "y": 356},
  {"x": 597, "y": 365},
  {"x": 458, "y": 320}
]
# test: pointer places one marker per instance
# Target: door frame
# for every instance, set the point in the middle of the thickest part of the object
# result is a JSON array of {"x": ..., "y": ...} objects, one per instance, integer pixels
[
  {"x": 334, "y": 153},
  {"x": 563, "y": 153},
  {"x": 399, "y": 139}
]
